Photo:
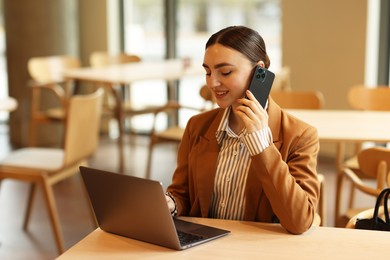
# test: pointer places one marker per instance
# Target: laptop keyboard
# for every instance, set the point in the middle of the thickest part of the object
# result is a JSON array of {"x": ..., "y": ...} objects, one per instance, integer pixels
[{"x": 187, "y": 238}]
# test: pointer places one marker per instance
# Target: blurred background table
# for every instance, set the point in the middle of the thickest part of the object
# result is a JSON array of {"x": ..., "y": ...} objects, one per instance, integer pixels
[
  {"x": 346, "y": 126},
  {"x": 124, "y": 74}
]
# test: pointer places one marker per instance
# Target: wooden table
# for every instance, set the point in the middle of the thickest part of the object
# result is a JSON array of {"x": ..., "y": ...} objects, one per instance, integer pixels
[
  {"x": 8, "y": 104},
  {"x": 248, "y": 240},
  {"x": 343, "y": 126},
  {"x": 125, "y": 74}
]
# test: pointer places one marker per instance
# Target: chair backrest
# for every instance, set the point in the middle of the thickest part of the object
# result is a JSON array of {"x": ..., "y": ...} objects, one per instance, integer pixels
[
  {"x": 364, "y": 98},
  {"x": 208, "y": 97},
  {"x": 298, "y": 99},
  {"x": 50, "y": 68},
  {"x": 101, "y": 59},
  {"x": 82, "y": 126},
  {"x": 375, "y": 163},
  {"x": 282, "y": 79}
]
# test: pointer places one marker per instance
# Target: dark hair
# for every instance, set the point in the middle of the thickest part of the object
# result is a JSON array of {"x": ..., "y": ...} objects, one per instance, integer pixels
[{"x": 242, "y": 39}]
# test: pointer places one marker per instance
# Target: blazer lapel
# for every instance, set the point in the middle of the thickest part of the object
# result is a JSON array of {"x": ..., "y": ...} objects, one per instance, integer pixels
[
  {"x": 274, "y": 122},
  {"x": 208, "y": 150}
]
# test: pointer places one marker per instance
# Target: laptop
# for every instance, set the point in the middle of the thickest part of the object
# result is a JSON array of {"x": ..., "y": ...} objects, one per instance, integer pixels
[{"x": 136, "y": 208}]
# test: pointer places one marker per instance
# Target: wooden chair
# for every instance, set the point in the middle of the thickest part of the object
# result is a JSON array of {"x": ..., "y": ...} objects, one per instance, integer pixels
[
  {"x": 45, "y": 167},
  {"x": 47, "y": 79},
  {"x": 101, "y": 59},
  {"x": 8, "y": 104},
  {"x": 374, "y": 164},
  {"x": 282, "y": 81},
  {"x": 290, "y": 99},
  {"x": 363, "y": 98},
  {"x": 298, "y": 99},
  {"x": 174, "y": 133}
]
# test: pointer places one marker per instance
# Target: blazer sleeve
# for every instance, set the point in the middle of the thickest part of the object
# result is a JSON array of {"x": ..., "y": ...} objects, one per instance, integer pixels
[{"x": 289, "y": 177}]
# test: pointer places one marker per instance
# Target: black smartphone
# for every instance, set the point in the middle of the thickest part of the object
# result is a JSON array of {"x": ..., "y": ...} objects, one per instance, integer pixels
[{"x": 261, "y": 84}]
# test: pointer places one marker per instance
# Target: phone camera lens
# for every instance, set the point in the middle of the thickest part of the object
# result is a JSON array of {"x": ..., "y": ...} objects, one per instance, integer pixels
[{"x": 263, "y": 75}]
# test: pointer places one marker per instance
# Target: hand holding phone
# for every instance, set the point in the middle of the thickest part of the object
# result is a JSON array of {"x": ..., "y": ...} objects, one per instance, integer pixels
[{"x": 261, "y": 84}]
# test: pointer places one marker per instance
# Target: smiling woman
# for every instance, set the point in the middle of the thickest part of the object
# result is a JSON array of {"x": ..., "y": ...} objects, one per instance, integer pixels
[{"x": 242, "y": 161}]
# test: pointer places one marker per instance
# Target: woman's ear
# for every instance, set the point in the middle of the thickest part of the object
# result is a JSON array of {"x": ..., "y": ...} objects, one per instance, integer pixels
[{"x": 261, "y": 64}]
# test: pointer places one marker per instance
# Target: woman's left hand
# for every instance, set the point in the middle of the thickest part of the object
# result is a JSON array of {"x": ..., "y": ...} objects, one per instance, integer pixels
[{"x": 251, "y": 113}]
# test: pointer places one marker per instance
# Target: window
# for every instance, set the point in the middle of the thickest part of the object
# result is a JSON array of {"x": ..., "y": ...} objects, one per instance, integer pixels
[
  {"x": 196, "y": 21},
  {"x": 3, "y": 66}
]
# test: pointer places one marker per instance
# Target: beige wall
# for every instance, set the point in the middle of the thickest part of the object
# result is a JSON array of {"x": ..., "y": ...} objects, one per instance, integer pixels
[
  {"x": 93, "y": 28},
  {"x": 324, "y": 44}
]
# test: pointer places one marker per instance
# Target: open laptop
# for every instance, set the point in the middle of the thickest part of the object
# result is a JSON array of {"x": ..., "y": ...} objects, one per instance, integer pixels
[{"x": 136, "y": 208}]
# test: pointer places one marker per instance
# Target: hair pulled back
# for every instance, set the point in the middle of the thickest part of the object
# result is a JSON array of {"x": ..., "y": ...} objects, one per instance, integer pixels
[{"x": 242, "y": 39}]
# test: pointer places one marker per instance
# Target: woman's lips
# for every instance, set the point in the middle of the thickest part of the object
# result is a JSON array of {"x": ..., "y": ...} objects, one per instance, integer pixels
[{"x": 220, "y": 94}]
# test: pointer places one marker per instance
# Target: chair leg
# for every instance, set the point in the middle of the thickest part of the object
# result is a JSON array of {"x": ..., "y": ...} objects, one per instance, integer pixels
[
  {"x": 53, "y": 214},
  {"x": 351, "y": 196},
  {"x": 322, "y": 201},
  {"x": 149, "y": 161},
  {"x": 30, "y": 201},
  {"x": 339, "y": 185},
  {"x": 32, "y": 133}
]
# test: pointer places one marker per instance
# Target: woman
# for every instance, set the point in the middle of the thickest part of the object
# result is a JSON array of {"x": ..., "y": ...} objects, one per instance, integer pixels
[{"x": 241, "y": 161}]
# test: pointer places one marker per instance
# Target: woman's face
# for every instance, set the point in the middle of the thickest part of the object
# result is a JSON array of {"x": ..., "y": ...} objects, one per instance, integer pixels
[{"x": 227, "y": 73}]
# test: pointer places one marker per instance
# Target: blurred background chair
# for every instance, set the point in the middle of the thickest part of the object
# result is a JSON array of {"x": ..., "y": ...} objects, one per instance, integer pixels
[
  {"x": 294, "y": 99},
  {"x": 290, "y": 99},
  {"x": 368, "y": 98},
  {"x": 282, "y": 81},
  {"x": 174, "y": 133},
  {"x": 47, "y": 79},
  {"x": 45, "y": 167},
  {"x": 365, "y": 98},
  {"x": 374, "y": 164},
  {"x": 8, "y": 104},
  {"x": 101, "y": 59}
]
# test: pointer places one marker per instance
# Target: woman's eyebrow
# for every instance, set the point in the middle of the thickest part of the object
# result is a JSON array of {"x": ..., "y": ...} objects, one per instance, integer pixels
[{"x": 219, "y": 65}]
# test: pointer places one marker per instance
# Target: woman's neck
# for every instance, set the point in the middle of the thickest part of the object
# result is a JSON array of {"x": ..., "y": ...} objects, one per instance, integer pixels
[{"x": 235, "y": 123}]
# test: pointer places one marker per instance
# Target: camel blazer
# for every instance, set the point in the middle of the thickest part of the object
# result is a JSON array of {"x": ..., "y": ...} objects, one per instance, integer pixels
[{"x": 282, "y": 181}]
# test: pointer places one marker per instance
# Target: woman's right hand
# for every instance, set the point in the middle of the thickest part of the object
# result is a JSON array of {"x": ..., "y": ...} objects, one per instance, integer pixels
[
  {"x": 171, "y": 204},
  {"x": 252, "y": 113}
]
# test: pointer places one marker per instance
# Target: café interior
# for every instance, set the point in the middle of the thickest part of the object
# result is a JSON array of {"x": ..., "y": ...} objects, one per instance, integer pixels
[{"x": 326, "y": 63}]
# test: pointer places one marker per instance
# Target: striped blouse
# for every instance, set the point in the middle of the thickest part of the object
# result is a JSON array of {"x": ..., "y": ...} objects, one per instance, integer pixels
[{"x": 228, "y": 198}]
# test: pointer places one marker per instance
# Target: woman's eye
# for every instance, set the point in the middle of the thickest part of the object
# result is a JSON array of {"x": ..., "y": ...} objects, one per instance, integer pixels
[{"x": 226, "y": 73}]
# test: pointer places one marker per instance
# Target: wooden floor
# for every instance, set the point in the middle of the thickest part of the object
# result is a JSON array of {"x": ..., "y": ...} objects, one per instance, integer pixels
[{"x": 38, "y": 243}]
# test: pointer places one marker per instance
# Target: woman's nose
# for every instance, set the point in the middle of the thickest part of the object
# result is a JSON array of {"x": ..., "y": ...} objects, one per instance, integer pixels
[{"x": 213, "y": 81}]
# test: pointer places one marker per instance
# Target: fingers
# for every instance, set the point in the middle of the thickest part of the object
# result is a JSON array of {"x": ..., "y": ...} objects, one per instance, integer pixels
[
  {"x": 170, "y": 202},
  {"x": 252, "y": 113},
  {"x": 252, "y": 103}
]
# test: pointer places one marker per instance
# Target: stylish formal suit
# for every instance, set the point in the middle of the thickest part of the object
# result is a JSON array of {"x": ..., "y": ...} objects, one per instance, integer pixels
[{"x": 282, "y": 181}]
